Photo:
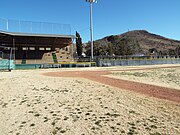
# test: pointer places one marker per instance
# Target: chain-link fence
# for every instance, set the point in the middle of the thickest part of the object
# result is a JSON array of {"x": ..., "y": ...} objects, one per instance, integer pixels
[
  {"x": 34, "y": 27},
  {"x": 136, "y": 60}
]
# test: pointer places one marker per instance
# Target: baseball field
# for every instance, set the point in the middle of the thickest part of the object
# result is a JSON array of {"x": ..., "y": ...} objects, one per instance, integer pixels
[{"x": 142, "y": 100}]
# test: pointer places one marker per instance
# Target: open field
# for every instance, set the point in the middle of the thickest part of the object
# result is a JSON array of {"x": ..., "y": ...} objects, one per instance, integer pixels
[{"x": 34, "y": 104}]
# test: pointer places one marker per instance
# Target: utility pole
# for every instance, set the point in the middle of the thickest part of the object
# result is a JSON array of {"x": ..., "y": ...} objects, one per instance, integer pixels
[{"x": 91, "y": 24}]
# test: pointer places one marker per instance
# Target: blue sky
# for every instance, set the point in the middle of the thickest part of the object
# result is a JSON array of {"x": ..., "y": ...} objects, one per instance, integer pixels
[{"x": 110, "y": 16}]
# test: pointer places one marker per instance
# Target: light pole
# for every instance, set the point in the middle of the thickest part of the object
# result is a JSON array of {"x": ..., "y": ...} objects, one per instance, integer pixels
[{"x": 91, "y": 25}]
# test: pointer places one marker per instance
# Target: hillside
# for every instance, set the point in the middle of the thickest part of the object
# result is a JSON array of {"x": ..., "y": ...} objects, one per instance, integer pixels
[{"x": 146, "y": 41}]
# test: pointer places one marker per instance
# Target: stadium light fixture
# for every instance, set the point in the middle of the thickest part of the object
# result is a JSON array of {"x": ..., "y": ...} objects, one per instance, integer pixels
[{"x": 91, "y": 25}]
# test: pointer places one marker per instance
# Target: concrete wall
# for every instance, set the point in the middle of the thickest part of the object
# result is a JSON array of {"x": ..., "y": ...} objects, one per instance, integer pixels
[{"x": 126, "y": 62}]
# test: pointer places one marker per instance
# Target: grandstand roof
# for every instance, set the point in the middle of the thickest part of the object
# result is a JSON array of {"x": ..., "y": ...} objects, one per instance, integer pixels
[
  {"x": 35, "y": 35},
  {"x": 37, "y": 39}
]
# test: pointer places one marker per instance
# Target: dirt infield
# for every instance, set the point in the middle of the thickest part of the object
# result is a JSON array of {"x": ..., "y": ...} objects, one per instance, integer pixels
[{"x": 99, "y": 76}]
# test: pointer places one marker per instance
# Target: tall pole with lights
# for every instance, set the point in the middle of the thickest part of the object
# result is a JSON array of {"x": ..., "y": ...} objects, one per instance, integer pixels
[{"x": 91, "y": 25}]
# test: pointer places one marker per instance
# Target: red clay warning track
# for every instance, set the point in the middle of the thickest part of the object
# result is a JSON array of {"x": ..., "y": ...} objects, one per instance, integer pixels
[{"x": 151, "y": 90}]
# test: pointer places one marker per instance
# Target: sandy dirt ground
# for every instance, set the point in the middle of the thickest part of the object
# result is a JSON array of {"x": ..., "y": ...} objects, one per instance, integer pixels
[
  {"x": 105, "y": 77},
  {"x": 34, "y": 104}
]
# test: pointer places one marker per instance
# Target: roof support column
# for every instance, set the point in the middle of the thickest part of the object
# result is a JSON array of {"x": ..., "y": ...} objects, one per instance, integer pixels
[
  {"x": 14, "y": 48},
  {"x": 72, "y": 44}
]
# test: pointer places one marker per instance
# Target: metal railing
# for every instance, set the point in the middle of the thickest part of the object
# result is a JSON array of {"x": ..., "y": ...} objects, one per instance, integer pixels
[{"x": 34, "y": 27}]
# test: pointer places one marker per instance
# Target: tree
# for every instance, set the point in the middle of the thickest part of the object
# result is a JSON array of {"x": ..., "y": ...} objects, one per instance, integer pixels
[
  {"x": 110, "y": 49},
  {"x": 116, "y": 46},
  {"x": 113, "y": 39},
  {"x": 78, "y": 44},
  {"x": 171, "y": 52},
  {"x": 153, "y": 51},
  {"x": 177, "y": 50},
  {"x": 160, "y": 53},
  {"x": 127, "y": 46},
  {"x": 99, "y": 49}
]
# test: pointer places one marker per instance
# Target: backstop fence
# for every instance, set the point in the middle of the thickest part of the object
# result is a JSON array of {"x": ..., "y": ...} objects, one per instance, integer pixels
[{"x": 34, "y": 27}]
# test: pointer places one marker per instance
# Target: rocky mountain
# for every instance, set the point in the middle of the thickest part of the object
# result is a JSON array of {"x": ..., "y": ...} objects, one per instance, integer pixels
[{"x": 147, "y": 42}]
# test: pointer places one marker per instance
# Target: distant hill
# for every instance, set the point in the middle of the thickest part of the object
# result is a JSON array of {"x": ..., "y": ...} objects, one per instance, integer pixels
[{"x": 146, "y": 43}]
